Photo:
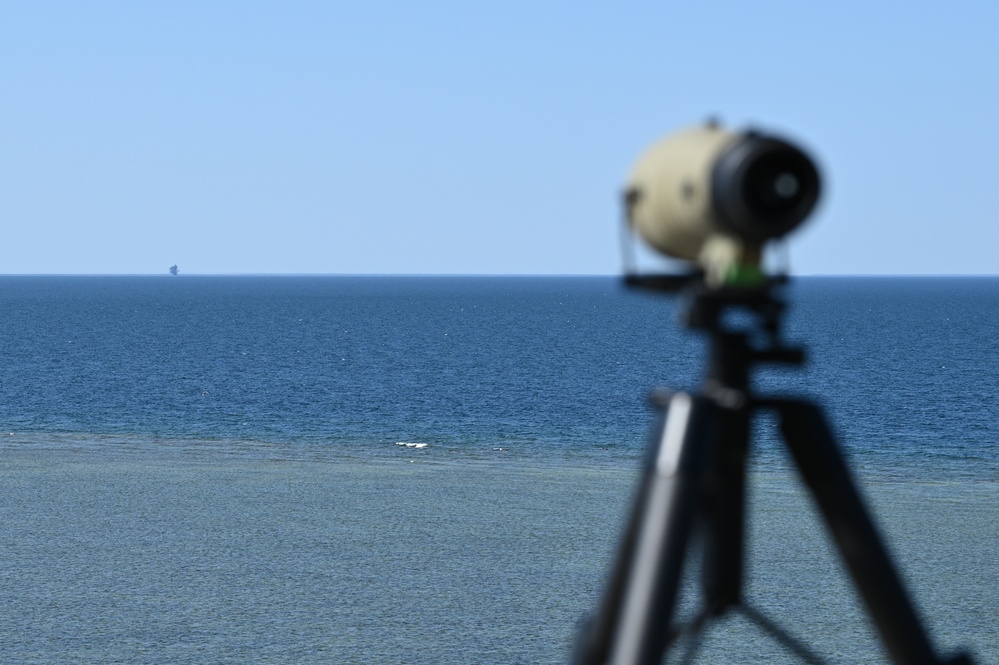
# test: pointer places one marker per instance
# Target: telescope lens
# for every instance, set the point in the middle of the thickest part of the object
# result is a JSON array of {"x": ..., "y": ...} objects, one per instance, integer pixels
[
  {"x": 772, "y": 186},
  {"x": 786, "y": 185},
  {"x": 763, "y": 187}
]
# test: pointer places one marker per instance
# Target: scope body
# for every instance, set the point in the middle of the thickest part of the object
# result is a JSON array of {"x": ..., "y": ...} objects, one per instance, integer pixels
[{"x": 714, "y": 196}]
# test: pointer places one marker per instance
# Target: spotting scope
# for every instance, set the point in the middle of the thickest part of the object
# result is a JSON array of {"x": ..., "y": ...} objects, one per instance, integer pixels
[{"x": 714, "y": 197}]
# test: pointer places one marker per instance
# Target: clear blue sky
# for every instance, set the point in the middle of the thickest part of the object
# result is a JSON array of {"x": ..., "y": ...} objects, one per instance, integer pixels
[{"x": 460, "y": 137}]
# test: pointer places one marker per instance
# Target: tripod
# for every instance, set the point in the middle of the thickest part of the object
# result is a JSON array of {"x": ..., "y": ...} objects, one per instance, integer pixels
[{"x": 695, "y": 477}]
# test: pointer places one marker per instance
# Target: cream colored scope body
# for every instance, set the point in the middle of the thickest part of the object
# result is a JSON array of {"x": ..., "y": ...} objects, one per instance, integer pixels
[{"x": 714, "y": 197}]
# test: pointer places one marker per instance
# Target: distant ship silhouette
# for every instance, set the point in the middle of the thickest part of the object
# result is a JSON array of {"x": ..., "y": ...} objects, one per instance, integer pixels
[{"x": 173, "y": 270}]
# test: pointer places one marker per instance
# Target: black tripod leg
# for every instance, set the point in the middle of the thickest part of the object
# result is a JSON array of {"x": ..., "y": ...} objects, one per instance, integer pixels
[
  {"x": 825, "y": 472},
  {"x": 725, "y": 499},
  {"x": 593, "y": 642},
  {"x": 632, "y": 624},
  {"x": 674, "y": 489}
]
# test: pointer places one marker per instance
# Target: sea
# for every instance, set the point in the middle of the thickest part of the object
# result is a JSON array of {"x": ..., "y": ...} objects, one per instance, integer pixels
[{"x": 437, "y": 470}]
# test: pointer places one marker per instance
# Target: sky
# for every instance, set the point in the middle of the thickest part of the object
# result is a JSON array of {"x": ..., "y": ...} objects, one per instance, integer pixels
[{"x": 445, "y": 137}]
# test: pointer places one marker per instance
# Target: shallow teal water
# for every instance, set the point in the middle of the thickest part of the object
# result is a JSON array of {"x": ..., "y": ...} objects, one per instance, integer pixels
[
  {"x": 195, "y": 559},
  {"x": 193, "y": 555}
]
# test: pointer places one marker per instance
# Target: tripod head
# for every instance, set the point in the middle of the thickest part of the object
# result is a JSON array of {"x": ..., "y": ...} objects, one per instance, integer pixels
[{"x": 738, "y": 343}]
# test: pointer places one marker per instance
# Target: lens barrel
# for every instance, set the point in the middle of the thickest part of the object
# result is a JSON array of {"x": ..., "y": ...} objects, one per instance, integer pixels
[{"x": 762, "y": 187}]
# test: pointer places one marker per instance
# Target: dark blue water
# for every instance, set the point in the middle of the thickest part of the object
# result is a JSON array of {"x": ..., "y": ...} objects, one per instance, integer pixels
[
  {"x": 472, "y": 362},
  {"x": 207, "y": 469},
  {"x": 547, "y": 367}
]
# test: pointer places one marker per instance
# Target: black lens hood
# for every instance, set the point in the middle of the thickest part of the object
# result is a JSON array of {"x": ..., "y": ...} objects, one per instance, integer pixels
[{"x": 763, "y": 187}]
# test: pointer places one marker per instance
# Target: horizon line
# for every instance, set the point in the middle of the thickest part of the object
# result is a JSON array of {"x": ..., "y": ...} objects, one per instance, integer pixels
[{"x": 456, "y": 274}]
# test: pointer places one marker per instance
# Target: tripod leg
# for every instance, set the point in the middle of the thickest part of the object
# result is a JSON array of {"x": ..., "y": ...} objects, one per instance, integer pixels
[
  {"x": 725, "y": 499},
  {"x": 825, "y": 472},
  {"x": 631, "y": 625},
  {"x": 633, "y": 621}
]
